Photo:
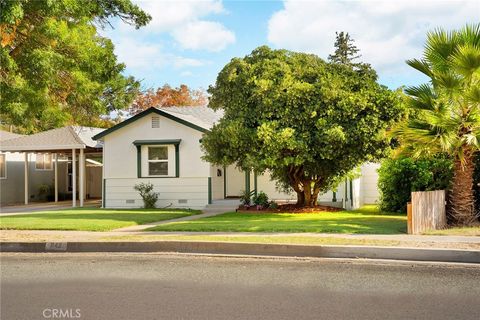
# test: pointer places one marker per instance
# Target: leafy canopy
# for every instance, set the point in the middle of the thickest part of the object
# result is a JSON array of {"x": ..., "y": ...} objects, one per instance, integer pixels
[
  {"x": 305, "y": 120},
  {"x": 167, "y": 96},
  {"x": 55, "y": 68}
]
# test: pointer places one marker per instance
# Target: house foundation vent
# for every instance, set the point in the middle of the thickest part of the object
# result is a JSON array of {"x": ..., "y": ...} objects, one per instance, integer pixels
[
  {"x": 183, "y": 201},
  {"x": 130, "y": 201}
]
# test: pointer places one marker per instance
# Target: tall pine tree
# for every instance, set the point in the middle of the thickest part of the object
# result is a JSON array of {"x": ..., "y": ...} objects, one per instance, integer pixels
[{"x": 345, "y": 50}]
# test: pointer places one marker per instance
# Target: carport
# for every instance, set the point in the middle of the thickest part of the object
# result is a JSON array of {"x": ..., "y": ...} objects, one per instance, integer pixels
[{"x": 73, "y": 141}]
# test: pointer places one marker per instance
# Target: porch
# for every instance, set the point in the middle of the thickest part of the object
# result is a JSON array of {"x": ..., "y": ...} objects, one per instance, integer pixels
[{"x": 70, "y": 148}]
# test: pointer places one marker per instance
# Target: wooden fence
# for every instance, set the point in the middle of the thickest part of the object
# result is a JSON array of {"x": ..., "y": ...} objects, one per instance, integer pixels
[{"x": 427, "y": 211}]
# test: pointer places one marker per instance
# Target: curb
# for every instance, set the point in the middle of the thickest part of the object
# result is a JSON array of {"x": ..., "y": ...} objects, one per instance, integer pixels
[{"x": 229, "y": 248}]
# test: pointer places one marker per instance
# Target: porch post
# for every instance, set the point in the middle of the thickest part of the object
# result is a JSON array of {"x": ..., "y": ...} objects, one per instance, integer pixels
[
  {"x": 56, "y": 177},
  {"x": 26, "y": 177},
  {"x": 74, "y": 179},
  {"x": 81, "y": 167}
]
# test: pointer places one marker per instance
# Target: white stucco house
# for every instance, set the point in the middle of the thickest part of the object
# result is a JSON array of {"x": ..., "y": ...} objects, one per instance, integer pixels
[{"x": 162, "y": 146}]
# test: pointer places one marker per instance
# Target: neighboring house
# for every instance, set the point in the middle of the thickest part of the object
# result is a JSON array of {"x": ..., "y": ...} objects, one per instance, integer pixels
[
  {"x": 12, "y": 168},
  {"x": 162, "y": 146},
  {"x": 39, "y": 152}
]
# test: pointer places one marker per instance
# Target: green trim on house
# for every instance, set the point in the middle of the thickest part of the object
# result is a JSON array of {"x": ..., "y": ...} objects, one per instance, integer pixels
[
  {"x": 157, "y": 142},
  {"x": 139, "y": 161},
  {"x": 141, "y": 115},
  {"x": 247, "y": 181},
  {"x": 209, "y": 190},
  {"x": 177, "y": 160},
  {"x": 351, "y": 192},
  {"x": 224, "y": 182},
  {"x": 104, "y": 195},
  {"x": 255, "y": 182},
  {"x": 346, "y": 192},
  {"x": 140, "y": 143},
  {"x": 334, "y": 199}
]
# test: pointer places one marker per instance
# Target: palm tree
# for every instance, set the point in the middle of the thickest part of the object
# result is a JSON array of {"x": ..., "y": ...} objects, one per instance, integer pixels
[{"x": 445, "y": 113}]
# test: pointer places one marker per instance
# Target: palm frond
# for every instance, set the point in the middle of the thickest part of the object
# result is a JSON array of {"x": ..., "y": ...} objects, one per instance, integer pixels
[
  {"x": 421, "y": 97},
  {"x": 466, "y": 59},
  {"x": 420, "y": 65}
]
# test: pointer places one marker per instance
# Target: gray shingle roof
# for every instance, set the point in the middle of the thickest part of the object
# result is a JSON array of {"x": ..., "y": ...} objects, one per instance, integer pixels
[
  {"x": 5, "y": 135},
  {"x": 201, "y": 116},
  {"x": 68, "y": 137}
]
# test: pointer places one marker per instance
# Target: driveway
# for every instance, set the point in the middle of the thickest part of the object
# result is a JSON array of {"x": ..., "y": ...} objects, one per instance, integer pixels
[{"x": 44, "y": 206}]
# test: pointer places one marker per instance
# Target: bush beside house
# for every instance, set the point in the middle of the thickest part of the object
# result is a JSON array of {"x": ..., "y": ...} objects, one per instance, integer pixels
[{"x": 399, "y": 177}]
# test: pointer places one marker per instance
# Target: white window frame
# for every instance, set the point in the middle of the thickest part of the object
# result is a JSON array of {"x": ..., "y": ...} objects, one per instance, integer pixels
[
  {"x": 43, "y": 155},
  {"x": 170, "y": 160},
  {"x": 158, "y": 161},
  {"x": 4, "y": 155}
]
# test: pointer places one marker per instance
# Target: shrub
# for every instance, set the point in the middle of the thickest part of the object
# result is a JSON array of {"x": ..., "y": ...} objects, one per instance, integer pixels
[
  {"x": 261, "y": 199},
  {"x": 44, "y": 191},
  {"x": 246, "y": 197},
  {"x": 146, "y": 192},
  {"x": 399, "y": 177},
  {"x": 273, "y": 205}
]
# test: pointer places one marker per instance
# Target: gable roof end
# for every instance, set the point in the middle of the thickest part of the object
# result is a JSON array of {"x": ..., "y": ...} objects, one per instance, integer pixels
[{"x": 186, "y": 120}]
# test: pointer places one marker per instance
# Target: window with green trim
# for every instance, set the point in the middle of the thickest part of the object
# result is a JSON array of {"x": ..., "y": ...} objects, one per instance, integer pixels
[{"x": 158, "y": 161}]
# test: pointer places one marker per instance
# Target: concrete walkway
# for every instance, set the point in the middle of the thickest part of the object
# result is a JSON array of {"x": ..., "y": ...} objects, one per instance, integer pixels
[
  {"x": 397, "y": 240},
  {"x": 38, "y": 207},
  {"x": 214, "y": 209}
]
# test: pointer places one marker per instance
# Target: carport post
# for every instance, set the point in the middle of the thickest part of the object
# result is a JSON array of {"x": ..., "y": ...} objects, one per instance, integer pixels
[
  {"x": 56, "y": 177},
  {"x": 81, "y": 167},
  {"x": 74, "y": 179},
  {"x": 26, "y": 177}
]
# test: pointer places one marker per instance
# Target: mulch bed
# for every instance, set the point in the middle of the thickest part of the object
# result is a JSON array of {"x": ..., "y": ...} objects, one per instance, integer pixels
[{"x": 289, "y": 208}]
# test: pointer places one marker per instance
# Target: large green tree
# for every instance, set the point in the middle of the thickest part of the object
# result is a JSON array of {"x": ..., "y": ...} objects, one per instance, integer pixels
[
  {"x": 306, "y": 121},
  {"x": 445, "y": 113},
  {"x": 55, "y": 68}
]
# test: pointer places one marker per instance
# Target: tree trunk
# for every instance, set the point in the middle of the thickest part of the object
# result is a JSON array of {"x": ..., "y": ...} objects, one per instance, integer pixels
[
  {"x": 461, "y": 195},
  {"x": 300, "y": 199}
]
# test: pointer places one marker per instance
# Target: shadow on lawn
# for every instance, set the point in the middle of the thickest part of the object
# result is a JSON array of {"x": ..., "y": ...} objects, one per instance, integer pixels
[
  {"x": 127, "y": 215},
  {"x": 233, "y": 222}
]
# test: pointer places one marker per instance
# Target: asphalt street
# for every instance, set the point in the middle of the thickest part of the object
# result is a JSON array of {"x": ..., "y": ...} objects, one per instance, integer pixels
[{"x": 161, "y": 286}]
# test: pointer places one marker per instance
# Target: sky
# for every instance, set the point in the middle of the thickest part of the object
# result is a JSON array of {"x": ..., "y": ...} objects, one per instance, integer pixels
[{"x": 189, "y": 42}]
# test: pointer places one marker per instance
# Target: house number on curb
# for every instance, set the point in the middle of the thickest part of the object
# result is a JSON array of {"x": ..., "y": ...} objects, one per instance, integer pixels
[{"x": 56, "y": 246}]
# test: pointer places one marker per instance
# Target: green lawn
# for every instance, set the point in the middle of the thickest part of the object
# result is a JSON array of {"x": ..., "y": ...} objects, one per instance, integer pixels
[
  {"x": 367, "y": 220},
  {"x": 90, "y": 219}
]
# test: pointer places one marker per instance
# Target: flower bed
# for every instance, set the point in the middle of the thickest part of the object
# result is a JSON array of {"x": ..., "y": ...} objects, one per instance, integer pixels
[{"x": 287, "y": 208}]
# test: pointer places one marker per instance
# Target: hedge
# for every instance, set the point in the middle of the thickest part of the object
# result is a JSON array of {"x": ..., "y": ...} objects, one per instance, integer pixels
[{"x": 399, "y": 177}]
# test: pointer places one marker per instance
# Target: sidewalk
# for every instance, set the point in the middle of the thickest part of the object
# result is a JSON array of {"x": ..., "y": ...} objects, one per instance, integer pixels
[
  {"x": 214, "y": 209},
  {"x": 400, "y": 240},
  {"x": 145, "y": 226}
]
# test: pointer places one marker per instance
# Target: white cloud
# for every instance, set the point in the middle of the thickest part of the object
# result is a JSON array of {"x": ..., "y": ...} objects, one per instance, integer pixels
[
  {"x": 139, "y": 55},
  {"x": 168, "y": 15},
  {"x": 208, "y": 35},
  {"x": 185, "y": 22},
  {"x": 182, "y": 62},
  {"x": 386, "y": 32},
  {"x": 142, "y": 55}
]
